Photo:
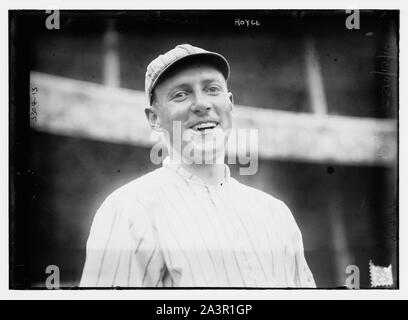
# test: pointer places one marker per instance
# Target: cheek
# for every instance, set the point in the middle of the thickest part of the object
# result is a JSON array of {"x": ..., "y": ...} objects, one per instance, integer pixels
[
  {"x": 174, "y": 113},
  {"x": 171, "y": 121},
  {"x": 228, "y": 120},
  {"x": 226, "y": 115}
]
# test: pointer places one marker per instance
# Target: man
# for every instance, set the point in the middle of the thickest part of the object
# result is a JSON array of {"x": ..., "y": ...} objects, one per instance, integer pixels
[{"x": 189, "y": 223}]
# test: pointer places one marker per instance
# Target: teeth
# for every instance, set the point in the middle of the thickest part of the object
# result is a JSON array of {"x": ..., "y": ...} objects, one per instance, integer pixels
[{"x": 205, "y": 125}]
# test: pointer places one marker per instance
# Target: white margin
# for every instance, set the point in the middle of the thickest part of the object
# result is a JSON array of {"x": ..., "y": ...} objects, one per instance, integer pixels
[{"x": 402, "y": 293}]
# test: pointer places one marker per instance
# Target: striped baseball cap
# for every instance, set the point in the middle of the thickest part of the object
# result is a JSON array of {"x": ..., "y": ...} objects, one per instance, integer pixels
[{"x": 171, "y": 59}]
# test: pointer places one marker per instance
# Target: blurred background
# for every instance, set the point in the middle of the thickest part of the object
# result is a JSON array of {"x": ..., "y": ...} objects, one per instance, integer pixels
[{"x": 324, "y": 98}]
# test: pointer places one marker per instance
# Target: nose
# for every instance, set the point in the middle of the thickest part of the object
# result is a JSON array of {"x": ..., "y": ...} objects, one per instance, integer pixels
[{"x": 201, "y": 103}]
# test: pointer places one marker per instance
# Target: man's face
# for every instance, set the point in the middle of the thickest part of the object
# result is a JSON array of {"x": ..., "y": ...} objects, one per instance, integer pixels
[{"x": 197, "y": 99}]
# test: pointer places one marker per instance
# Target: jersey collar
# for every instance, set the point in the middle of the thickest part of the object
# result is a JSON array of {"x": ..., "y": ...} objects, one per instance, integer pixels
[{"x": 176, "y": 167}]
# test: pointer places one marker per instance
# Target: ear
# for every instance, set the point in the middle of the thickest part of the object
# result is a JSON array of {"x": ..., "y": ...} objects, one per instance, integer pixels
[
  {"x": 231, "y": 98},
  {"x": 152, "y": 118}
]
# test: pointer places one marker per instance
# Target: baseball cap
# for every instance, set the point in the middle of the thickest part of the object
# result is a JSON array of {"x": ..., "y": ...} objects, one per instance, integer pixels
[{"x": 171, "y": 59}]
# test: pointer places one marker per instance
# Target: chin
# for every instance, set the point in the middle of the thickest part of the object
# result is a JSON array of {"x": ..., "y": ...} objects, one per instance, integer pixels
[
  {"x": 212, "y": 155},
  {"x": 207, "y": 153},
  {"x": 204, "y": 148},
  {"x": 199, "y": 153}
]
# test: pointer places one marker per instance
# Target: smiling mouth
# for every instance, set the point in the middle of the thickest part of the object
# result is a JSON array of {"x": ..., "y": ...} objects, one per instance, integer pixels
[{"x": 205, "y": 126}]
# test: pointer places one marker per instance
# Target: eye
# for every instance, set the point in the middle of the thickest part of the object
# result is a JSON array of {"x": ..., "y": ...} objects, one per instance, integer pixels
[
  {"x": 213, "y": 89},
  {"x": 179, "y": 95}
]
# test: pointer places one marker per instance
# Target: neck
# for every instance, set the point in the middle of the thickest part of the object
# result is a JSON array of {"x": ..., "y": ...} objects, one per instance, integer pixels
[{"x": 209, "y": 173}]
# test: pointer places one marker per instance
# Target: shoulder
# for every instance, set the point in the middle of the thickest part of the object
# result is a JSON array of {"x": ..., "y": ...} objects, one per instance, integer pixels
[
  {"x": 258, "y": 195},
  {"x": 134, "y": 199},
  {"x": 142, "y": 188},
  {"x": 141, "y": 185},
  {"x": 267, "y": 202}
]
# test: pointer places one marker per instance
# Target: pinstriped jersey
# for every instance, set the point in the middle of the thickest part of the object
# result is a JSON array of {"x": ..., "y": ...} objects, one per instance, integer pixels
[{"x": 170, "y": 229}]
